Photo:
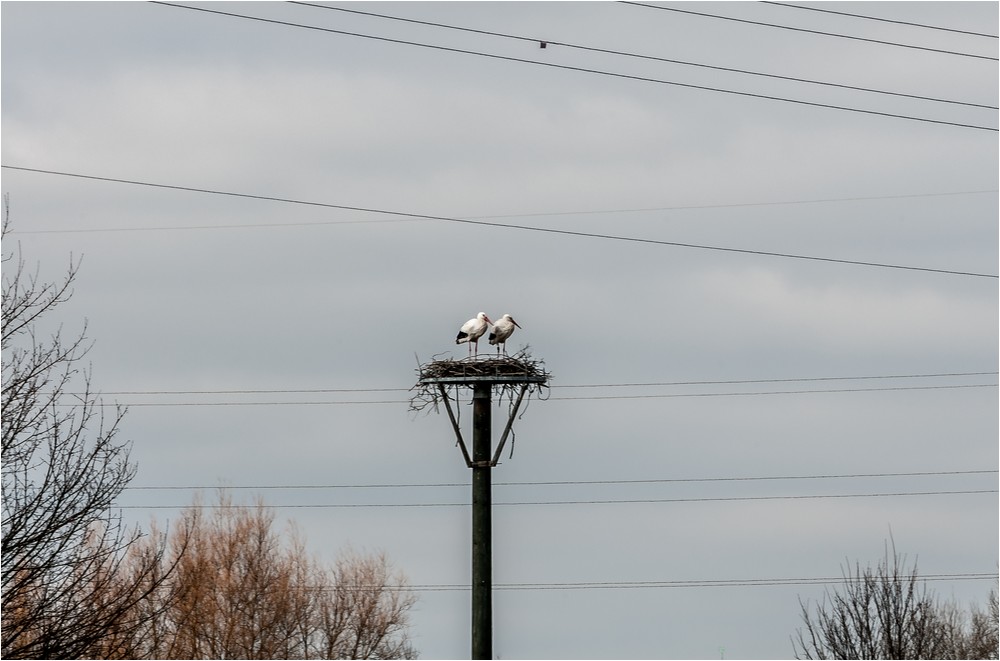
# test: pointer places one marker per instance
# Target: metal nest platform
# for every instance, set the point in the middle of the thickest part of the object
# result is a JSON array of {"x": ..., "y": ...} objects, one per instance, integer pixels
[
  {"x": 507, "y": 374},
  {"x": 519, "y": 368},
  {"x": 513, "y": 378}
]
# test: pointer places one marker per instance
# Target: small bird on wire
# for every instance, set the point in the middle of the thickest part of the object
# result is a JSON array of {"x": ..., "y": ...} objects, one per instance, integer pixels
[
  {"x": 472, "y": 330},
  {"x": 501, "y": 331}
]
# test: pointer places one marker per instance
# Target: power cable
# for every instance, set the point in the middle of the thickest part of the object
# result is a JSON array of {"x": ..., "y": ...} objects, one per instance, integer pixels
[
  {"x": 767, "y": 478},
  {"x": 558, "y": 399},
  {"x": 819, "y": 32},
  {"x": 579, "y": 69},
  {"x": 773, "y": 392},
  {"x": 626, "y": 585},
  {"x": 621, "y": 585},
  {"x": 876, "y": 18},
  {"x": 638, "y": 501},
  {"x": 553, "y": 387},
  {"x": 790, "y": 380},
  {"x": 483, "y": 223},
  {"x": 688, "y": 207},
  {"x": 287, "y": 391},
  {"x": 534, "y": 214},
  {"x": 606, "y": 51}
]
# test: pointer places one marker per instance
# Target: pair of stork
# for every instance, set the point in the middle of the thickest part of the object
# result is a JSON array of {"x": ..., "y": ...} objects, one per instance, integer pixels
[{"x": 475, "y": 328}]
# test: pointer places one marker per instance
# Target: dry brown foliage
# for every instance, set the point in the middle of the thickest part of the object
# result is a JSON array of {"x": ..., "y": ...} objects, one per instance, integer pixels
[{"x": 243, "y": 590}]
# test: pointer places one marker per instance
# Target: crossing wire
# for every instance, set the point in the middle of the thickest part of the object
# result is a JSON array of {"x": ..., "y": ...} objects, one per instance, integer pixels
[
  {"x": 636, "y": 501},
  {"x": 570, "y": 482},
  {"x": 819, "y": 32},
  {"x": 533, "y": 214},
  {"x": 877, "y": 18},
  {"x": 566, "y": 67},
  {"x": 619, "y": 585},
  {"x": 348, "y": 402},
  {"x": 530, "y": 228},
  {"x": 628, "y": 585},
  {"x": 607, "y": 51},
  {"x": 299, "y": 391}
]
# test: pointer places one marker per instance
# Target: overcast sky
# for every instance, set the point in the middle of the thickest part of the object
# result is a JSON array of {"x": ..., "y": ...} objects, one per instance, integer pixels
[{"x": 197, "y": 292}]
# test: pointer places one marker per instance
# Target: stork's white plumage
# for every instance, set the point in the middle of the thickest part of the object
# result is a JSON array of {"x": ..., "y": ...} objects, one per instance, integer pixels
[
  {"x": 472, "y": 330},
  {"x": 501, "y": 331}
]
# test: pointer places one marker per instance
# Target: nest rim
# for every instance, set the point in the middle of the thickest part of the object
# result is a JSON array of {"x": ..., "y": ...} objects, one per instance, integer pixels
[
  {"x": 519, "y": 368},
  {"x": 502, "y": 373}
]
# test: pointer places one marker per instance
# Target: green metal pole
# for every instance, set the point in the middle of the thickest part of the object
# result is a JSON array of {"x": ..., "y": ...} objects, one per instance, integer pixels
[{"x": 482, "y": 525}]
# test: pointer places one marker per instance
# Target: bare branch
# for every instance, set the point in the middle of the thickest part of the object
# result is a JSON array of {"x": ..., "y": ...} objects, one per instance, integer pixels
[
  {"x": 63, "y": 547},
  {"x": 887, "y": 613}
]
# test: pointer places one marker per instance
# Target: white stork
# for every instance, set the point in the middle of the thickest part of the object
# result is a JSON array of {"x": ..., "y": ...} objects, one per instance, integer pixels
[
  {"x": 472, "y": 330},
  {"x": 501, "y": 331}
]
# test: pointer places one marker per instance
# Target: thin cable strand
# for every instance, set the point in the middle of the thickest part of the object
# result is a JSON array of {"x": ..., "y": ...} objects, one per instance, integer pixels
[
  {"x": 819, "y": 32},
  {"x": 565, "y": 482},
  {"x": 529, "y": 228},
  {"x": 558, "y": 399},
  {"x": 877, "y": 18},
  {"x": 705, "y": 583},
  {"x": 555, "y": 387},
  {"x": 579, "y": 69},
  {"x": 535, "y": 214},
  {"x": 640, "y": 501},
  {"x": 606, "y": 51}
]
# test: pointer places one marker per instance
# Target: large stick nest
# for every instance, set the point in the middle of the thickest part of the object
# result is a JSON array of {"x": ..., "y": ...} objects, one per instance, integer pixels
[{"x": 520, "y": 365}]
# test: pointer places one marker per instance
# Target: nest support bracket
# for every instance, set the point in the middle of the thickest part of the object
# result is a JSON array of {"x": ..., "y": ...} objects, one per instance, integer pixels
[
  {"x": 510, "y": 423},
  {"x": 458, "y": 431},
  {"x": 454, "y": 425}
]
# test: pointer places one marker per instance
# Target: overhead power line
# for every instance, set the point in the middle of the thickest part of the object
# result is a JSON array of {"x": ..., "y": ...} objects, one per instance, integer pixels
[
  {"x": 483, "y": 223},
  {"x": 774, "y": 392},
  {"x": 877, "y": 18},
  {"x": 606, "y": 51},
  {"x": 628, "y": 585},
  {"x": 676, "y": 480},
  {"x": 533, "y": 214},
  {"x": 298, "y": 391},
  {"x": 805, "y": 30},
  {"x": 632, "y": 585},
  {"x": 789, "y": 380},
  {"x": 636, "y": 501},
  {"x": 687, "y": 207},
  {"x": 551, "y": 398},
  {"x": 579, "y": 69}
]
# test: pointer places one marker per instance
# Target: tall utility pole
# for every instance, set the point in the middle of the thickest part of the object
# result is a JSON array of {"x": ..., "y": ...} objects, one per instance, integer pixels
[
  {"x": 482, "y": 523},
  {"x": 482, "y": 377}
]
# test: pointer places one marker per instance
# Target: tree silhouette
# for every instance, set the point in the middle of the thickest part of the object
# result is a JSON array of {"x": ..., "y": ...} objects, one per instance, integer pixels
[
  {"x": 64, "y": 546},
  {"x": 886, "y": 613}
]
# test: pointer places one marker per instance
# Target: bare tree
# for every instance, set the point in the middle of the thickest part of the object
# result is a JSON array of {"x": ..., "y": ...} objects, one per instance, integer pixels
[
  {"x": 886, "y": 613},
  {"x": 970, "y": 634},
  {"x": 63, "y": 545},
  {"x": 242, "y": 590},
  {"x": 363, "y": 613}
]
